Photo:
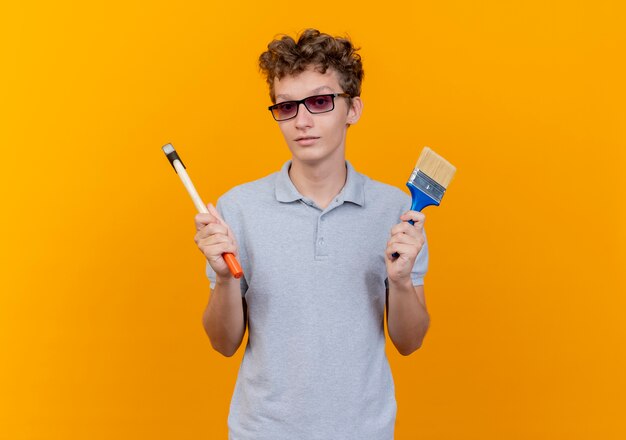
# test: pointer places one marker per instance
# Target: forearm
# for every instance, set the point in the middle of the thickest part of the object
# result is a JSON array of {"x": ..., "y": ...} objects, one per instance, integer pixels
[
  {"x": 223, "y": 318},
  {"x": 407, "y": 317}
]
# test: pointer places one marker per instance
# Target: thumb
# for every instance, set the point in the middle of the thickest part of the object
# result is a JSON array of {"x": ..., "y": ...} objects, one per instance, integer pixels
[
  {"x": 215, "y": 214},
  {"x": 219, "y": 218}
]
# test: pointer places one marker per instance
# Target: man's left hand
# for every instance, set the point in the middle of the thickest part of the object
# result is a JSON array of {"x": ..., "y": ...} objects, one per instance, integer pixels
[{"x": 407, "y": 240}]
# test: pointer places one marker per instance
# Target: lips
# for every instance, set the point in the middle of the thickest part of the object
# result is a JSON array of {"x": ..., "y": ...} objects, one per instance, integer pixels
[{"x": 307, "y": 140}]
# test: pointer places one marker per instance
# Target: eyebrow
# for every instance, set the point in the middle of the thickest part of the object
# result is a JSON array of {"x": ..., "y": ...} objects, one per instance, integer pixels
[{"x": 313, "y": 93}]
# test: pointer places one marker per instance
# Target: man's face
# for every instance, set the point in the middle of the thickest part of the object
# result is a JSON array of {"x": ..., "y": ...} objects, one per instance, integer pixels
[{"x": 315, "y": 138}]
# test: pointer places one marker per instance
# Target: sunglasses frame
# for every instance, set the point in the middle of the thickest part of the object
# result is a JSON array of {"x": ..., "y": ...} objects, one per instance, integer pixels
[{"x": 303, "y": 101}]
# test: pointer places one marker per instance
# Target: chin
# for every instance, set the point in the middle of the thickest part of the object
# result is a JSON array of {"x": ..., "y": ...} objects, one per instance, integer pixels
[
  {"x": 312, "y": 153},
  {"x": 305, "y": 152},
  {"x": 309, "y": 156}
]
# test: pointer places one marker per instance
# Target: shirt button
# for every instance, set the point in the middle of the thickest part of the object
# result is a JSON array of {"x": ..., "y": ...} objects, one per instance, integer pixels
[{"x": 321, "y": 242}]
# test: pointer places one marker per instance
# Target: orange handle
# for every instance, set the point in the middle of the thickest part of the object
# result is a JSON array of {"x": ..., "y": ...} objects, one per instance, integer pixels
[{"x": 233, "y": 264}]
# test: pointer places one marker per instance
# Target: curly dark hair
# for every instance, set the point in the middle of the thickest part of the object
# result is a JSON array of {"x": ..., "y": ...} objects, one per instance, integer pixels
[{"x": 313, "y": 49}]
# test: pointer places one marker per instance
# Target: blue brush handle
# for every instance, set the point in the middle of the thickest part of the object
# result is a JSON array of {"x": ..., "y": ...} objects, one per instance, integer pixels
[{"x": 420, "y": 201}]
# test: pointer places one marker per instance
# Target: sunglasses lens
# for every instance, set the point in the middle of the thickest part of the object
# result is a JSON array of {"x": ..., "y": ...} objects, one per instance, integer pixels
[
  {"x": 314, "y": 104},
  {"x": 319, "y": 104},
  {"x": 285, "y": 110}
]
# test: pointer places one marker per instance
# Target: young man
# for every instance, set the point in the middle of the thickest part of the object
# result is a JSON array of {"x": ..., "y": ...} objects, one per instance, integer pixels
[{"x": 315, "y": 241}]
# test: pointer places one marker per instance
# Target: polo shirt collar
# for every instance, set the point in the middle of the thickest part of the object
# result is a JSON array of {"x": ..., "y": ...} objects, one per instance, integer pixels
[{"x": 352, "y": 191}]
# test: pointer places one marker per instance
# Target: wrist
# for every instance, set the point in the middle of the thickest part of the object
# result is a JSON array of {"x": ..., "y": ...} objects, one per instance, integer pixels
[
  {"x": 400, "y": 284},
  {"x": 226, "y": 280}
]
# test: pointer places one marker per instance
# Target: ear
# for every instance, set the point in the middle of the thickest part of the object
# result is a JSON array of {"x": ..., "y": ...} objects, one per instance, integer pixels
[{"x": 355, "y": 110}]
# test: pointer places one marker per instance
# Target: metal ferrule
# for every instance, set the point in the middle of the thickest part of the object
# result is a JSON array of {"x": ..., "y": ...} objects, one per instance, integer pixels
[
  {"x": 427, "y": 185},
  {"x": 174, "y": 156}
]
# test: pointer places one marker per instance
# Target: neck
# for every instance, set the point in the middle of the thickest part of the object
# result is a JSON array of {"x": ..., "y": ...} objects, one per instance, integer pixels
[{"x": 319, "y": 182}]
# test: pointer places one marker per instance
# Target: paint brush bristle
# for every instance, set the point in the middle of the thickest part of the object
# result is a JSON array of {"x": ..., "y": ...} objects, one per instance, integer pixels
[
  {"x": 167, "y": 148},
  {"x": 435, "y": 167}
]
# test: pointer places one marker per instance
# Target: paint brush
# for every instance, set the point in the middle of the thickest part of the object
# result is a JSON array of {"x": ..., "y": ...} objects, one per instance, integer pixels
[
  {"x": 179, "y": 167},
  {"x": 428, "y": 181}
]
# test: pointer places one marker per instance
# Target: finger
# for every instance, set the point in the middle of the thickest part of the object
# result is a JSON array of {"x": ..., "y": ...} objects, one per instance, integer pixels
[
  {"x": 219, "y": 218},
  {"x": 407, "y": 230},
  {"x": 406, "y": 251},
  {"x": 215, "y": 233},
  {"x": 402, "y": 228},
  {"x": 215, "y": 252},
  {"x": 215, "y": 229},
  {"x": 216, "y": 214},
  {"x": 206, "y": 218},
  {"x": 213, "y": 239},
  {"x": 416, "y": 216},
  {"x": 203, "y": 219},
  {"x": 220, "y": 248},
  {"x": 211, "y": 229},
  {"x": 414, "y": 240}
]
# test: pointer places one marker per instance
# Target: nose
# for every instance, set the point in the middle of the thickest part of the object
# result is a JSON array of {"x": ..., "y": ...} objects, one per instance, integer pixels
[{"x": 304, "y": 118}]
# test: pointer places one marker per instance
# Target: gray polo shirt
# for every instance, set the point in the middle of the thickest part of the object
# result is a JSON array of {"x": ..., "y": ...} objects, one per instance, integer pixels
[{"x": 314, "y": 282}]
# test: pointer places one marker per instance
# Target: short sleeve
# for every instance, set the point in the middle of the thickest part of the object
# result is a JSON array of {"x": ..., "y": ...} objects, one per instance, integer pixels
[
  {"x": 421, "y": 265},
  {"x": 210, "y": 273}
]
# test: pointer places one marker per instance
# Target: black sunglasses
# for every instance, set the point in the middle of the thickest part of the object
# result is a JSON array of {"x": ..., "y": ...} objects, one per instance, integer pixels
[{"x": 314, "y": 104}]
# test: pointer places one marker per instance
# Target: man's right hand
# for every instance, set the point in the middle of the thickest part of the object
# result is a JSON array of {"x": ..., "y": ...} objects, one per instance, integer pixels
[{"x": 214, "y": 237}]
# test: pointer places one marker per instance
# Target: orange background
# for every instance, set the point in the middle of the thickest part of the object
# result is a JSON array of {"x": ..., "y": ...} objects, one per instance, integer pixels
[{"x": 103, "y": 288}]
